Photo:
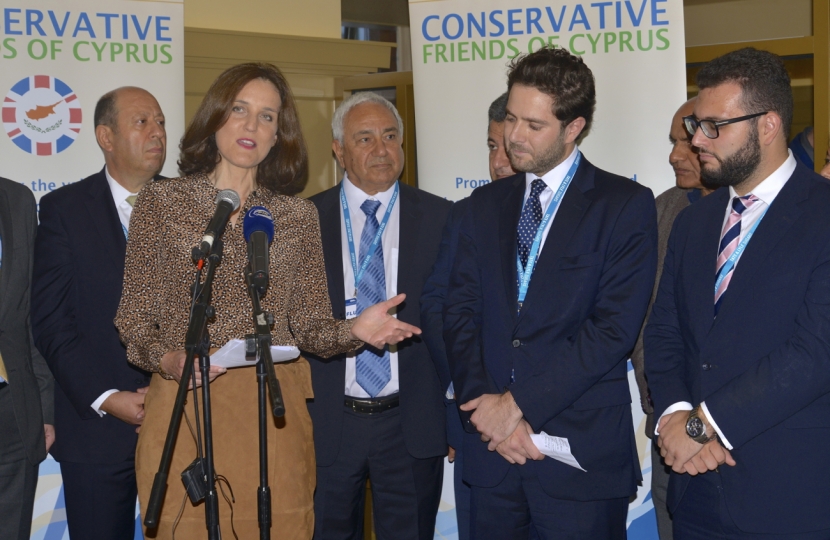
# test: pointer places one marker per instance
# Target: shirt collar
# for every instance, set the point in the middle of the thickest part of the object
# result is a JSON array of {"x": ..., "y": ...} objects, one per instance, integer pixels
[
  {"x": 769, "y": 188},
  {"x": 119, "y": 192},
  {"x": 356, "y": 196},
  {"x": 553, "y": 178}
]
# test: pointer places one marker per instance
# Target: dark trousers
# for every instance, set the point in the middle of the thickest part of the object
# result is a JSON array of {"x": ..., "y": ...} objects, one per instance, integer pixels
[
  {"x": 100, "y": 499},
  {"x": 660, "y": 474},
  {"x": 18, "y": 477},
  {"x": 455, "y": 437},
  {"x": 405, "y": 490},
  {"x": 519, "y": 509},
  {"x": 702, "y": 515}
]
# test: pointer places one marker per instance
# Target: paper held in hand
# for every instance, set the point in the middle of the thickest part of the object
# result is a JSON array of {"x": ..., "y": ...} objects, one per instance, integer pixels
[
  {"x": 557, "y": 448},
  {"x": 232, "y": 355}
]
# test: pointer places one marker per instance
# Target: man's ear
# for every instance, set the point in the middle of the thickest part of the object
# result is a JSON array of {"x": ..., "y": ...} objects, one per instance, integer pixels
[
  {"x": 574, "y": 130},
  {"x": 337, "y": 148},
  {"x": 104, "y": 134}
]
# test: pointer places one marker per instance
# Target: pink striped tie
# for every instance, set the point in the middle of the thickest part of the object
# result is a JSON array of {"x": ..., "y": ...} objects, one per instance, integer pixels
[{"x": 730, "y": 239}]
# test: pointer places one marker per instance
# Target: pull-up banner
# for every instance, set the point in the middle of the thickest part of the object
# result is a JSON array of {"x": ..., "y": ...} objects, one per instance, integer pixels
[
  {"x": 460, "y": 53},
  {"x": 57, "y": 57}
]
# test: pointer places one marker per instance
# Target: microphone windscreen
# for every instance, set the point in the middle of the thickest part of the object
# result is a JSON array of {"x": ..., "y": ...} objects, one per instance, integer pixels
[
  {"x": 258, "y": 218},
  {"x": 230, "y": 196}
]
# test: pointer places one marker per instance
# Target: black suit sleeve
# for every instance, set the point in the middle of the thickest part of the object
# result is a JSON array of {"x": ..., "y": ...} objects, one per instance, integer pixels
[
  {"x": 54, "y": 319},
  {"x": 462, "y": 319},
  {"x": 433, "y": 299},
  {"x": 45, "y": 381}
]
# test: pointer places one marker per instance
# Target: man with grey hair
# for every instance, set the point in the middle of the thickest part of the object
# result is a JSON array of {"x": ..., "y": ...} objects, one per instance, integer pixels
[{"x": 378, "y": 414}]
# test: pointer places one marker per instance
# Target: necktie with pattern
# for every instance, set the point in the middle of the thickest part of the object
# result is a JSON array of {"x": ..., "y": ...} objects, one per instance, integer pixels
[
  {"x": 730, "y": 239},
  {"x": 373, "y": 369},
  {"x": 530, "y": 220}
]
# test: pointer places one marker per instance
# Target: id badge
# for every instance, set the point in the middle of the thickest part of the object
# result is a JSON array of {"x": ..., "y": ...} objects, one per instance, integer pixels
[{"x": 351, "y": 308}]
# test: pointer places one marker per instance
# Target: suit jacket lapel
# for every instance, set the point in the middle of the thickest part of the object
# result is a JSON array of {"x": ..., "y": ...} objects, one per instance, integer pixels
[
  {"x": 104, "y": 215},
  {"x": 410, "y": 216},
  {"x": 7, "y": 239},
  {"x": 780, "y": 216},
  {"x": 332, "y": 251},
  {"x": 511, "y": 211},
  {"x": 703, "y": 248},
  {"x": 565, "y": 222}
]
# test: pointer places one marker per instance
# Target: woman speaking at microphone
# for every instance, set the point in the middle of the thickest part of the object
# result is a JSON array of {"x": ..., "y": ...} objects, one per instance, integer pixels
[{"x": 246, "y": 137}]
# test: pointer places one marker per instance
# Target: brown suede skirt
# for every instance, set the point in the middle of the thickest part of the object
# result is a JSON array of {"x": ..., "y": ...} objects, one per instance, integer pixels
[{"x": 291, "y": 466}]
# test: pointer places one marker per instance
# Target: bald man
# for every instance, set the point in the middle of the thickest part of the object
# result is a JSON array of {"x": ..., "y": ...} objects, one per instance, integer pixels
[
  {"x": 688, "y": 189},
  {"x": 78, "y": 273}
]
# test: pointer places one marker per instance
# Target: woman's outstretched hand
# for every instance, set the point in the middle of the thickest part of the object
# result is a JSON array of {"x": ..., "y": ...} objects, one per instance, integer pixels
[{"x": 378, "y": 328}]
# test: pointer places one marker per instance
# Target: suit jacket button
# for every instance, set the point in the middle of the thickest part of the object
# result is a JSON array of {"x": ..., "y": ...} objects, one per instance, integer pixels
[
  {"x": 517, "y": 343},
  {"x": 706, "y": 366}
]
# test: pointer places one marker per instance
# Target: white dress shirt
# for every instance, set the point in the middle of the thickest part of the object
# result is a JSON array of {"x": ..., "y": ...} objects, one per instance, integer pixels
[
  {"x": 125, "y": 210},
  {"x": 389, "y": 243},
  {"x": 766, "y": 192},
  {"x": 553, "y": 179}
]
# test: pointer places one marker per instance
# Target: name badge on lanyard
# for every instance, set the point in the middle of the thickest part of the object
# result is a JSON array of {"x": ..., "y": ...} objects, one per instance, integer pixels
[
  {"x": 525, "y": 274},
  {"x": 351, "y": 303},
  {"x": 733, "y": 259}
]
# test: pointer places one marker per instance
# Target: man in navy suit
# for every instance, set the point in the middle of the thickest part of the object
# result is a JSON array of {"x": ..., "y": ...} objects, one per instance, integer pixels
[
  {"x": 378, "y": 413},
  {"x": 548, "y": 354},
  {"x": 432, "y": 309},
  {"x": 736, "y": 349},
  {"x": 78, "y": 274}
]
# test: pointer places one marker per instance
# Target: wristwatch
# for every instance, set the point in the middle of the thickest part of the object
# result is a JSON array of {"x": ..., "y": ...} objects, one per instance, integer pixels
[{"x": 695, "y": 428}]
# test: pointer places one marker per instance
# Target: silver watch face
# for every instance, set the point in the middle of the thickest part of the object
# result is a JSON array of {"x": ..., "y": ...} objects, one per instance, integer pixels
[{"x": 695, "y": 427}]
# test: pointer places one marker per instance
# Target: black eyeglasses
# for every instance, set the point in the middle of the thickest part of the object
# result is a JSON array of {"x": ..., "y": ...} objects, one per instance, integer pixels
[{"x": 710, "y": 127}]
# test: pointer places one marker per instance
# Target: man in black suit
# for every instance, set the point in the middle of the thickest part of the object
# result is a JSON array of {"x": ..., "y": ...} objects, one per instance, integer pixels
[
  {"x": 377, "y": 414},
  {"x": 79, "y": 268},
  {"x": 736, "y": 348},
  {"x": 548, "y": 355},
  {"x": 26, "y": 385}
]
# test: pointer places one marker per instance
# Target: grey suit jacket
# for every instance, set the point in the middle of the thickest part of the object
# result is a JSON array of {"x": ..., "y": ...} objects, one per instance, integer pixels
[
  {"x": 669, "y": 204},
  {"x": 30, "y": 381}
]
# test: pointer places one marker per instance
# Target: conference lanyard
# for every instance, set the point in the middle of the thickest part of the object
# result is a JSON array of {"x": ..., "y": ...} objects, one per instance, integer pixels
[
  {"x": 358, "y": 272},
  {"x": 123, "y": 228},
  {"x": 525, "y": 273},
  {"x": 733, "y": 259}
]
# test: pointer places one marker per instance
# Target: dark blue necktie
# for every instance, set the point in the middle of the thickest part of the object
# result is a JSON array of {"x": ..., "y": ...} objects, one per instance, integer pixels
[
  {"x": 373, "y": 369},
  {"x": 530, "y": 220}
]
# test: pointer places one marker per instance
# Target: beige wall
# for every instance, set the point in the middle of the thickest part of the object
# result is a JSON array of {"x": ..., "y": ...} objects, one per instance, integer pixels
[
  {"x": 313, "y": 18},
  {"x": 711, "y": 22}
]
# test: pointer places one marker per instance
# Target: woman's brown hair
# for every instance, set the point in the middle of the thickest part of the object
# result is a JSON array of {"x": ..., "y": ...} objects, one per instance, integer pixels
[{"x": 285, "y": 169}]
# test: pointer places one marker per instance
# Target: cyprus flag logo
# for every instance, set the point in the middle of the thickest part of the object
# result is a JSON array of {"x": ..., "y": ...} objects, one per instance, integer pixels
[{"x": 42, "y": 115}]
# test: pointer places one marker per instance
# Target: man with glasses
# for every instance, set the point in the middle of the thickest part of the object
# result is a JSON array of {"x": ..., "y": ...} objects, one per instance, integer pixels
[{"x": 736, "y": 349}]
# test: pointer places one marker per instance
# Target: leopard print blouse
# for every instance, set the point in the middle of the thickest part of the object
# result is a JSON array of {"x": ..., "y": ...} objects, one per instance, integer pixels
[{"x": 168, "y": 221}]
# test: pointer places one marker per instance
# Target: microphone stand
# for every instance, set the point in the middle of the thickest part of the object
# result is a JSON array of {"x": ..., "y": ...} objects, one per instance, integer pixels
[
  {"x": 258, "y": 345},
  {"x": 201, "y": 473}
]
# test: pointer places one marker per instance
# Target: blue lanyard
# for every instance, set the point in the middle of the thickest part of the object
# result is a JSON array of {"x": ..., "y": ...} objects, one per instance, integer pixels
[
  {"x": 733, "y": 259},
  {"x": 525, "y": 273},
  {"x": 123, "y": 228},
  {"x": 358, "y": 272}
]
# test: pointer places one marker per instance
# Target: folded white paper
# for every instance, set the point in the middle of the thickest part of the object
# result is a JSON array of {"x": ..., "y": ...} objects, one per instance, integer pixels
[
  {"x": 557, "y": 448},
  {"x": 232, "y": 355}
]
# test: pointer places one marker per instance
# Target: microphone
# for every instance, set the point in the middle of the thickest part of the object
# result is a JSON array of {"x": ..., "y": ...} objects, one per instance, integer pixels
[
  {"x": 227, "y": 202},
  {"x": 258, "y": 228}
]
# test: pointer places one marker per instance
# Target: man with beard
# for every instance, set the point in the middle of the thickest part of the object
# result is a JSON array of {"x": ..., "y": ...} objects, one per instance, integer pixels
[
  {"x": 687, "y": 190},
  {"x": 548, "y": 355},
  {"x": 736, "y": 348}
]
